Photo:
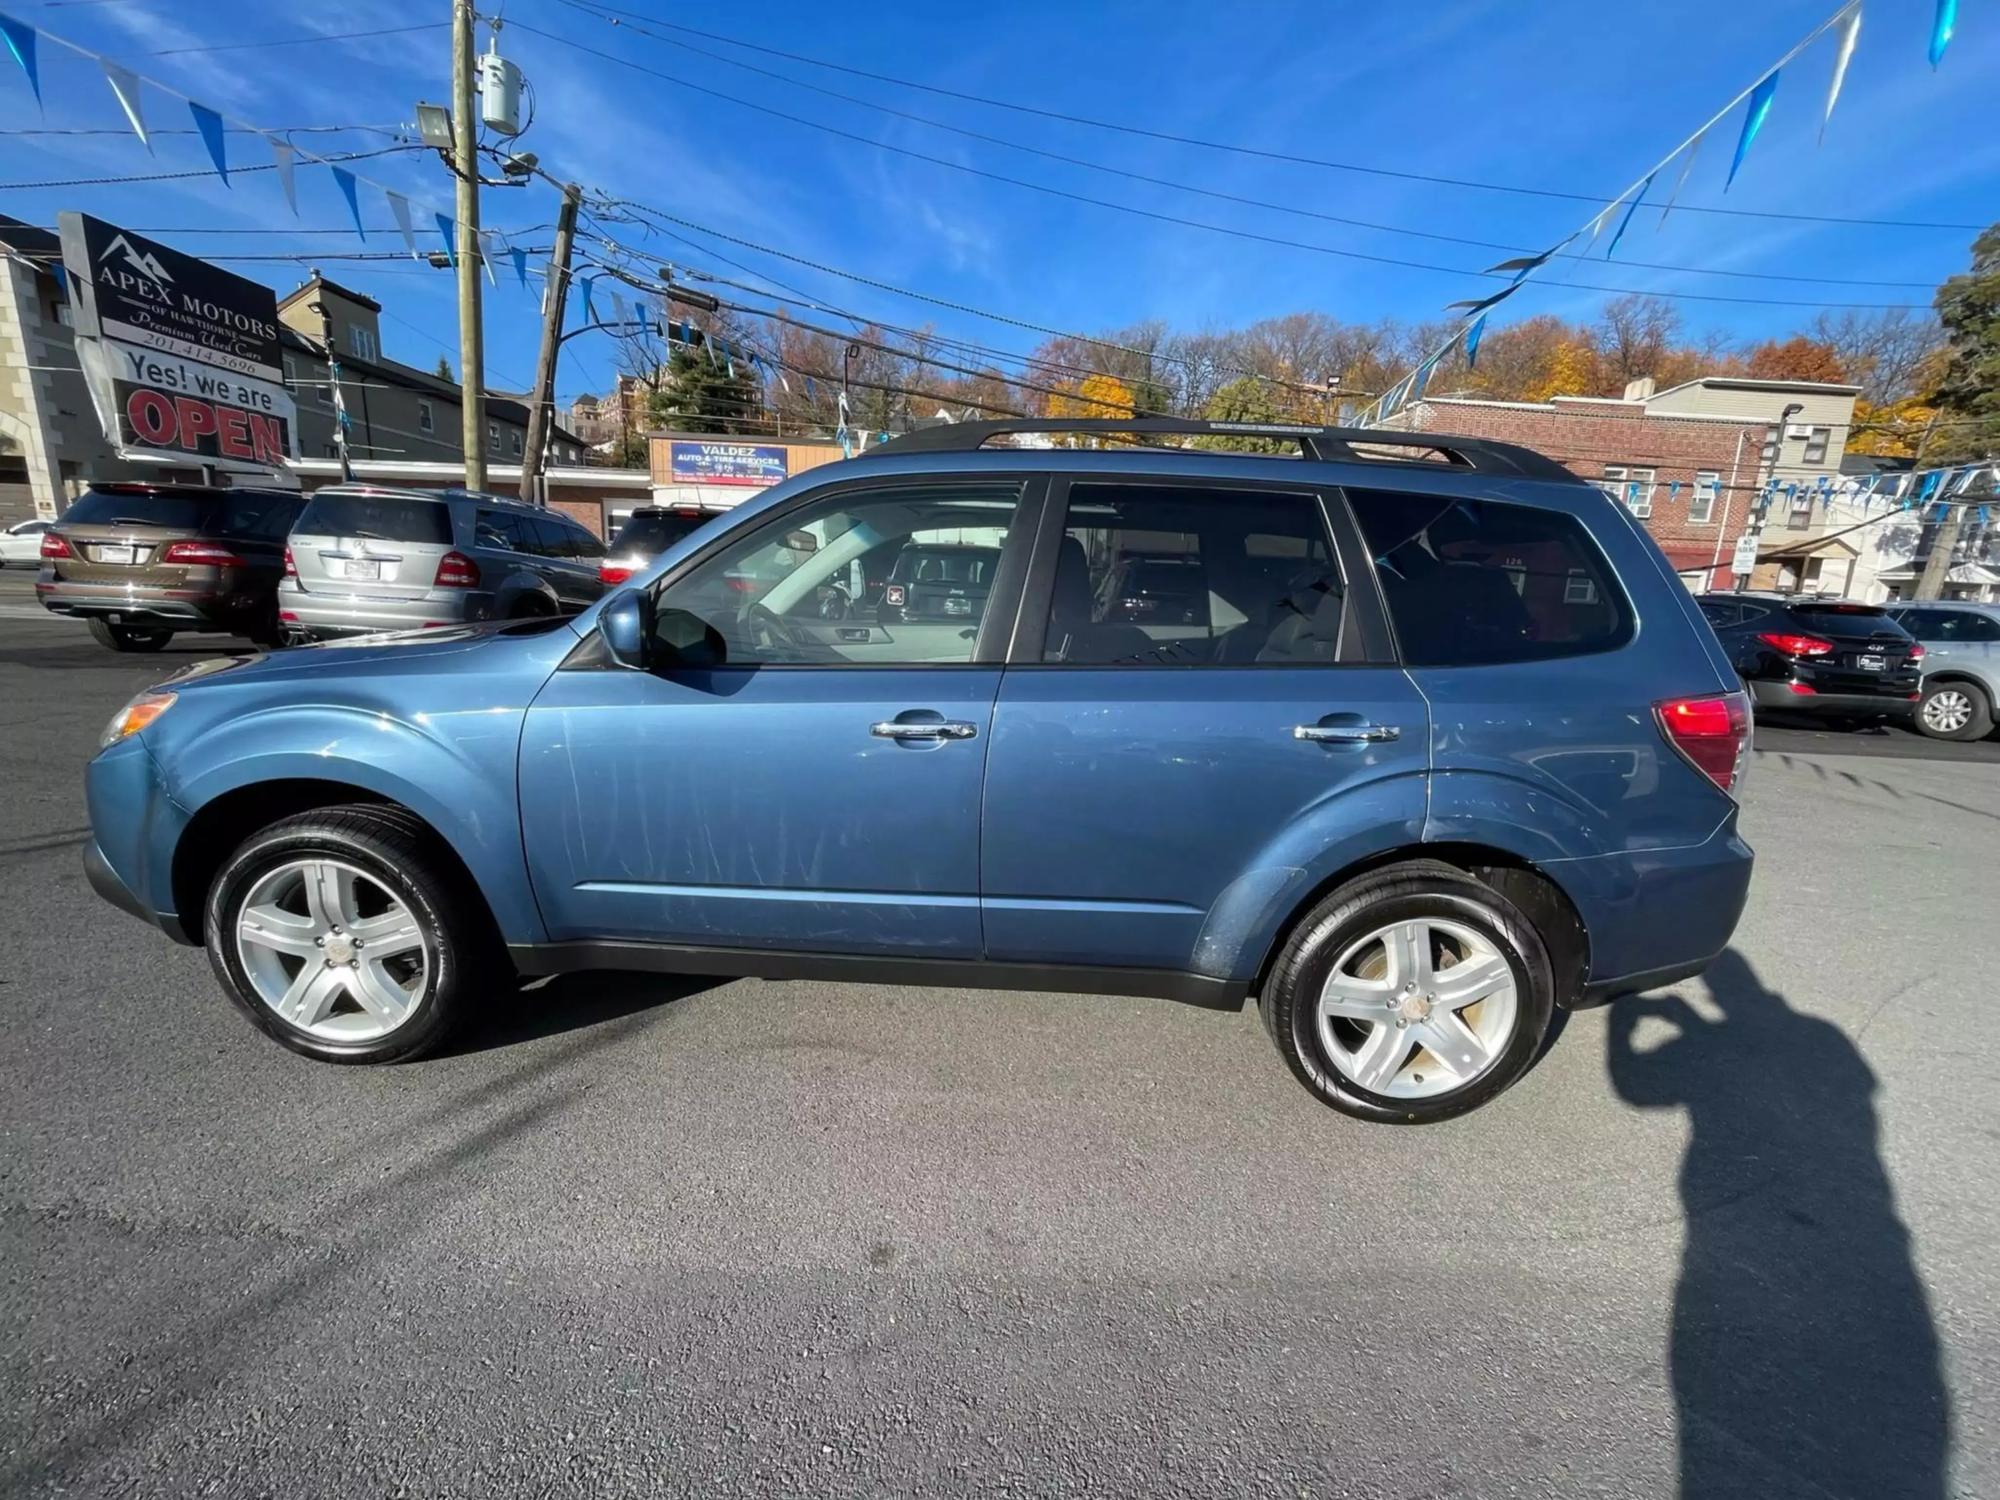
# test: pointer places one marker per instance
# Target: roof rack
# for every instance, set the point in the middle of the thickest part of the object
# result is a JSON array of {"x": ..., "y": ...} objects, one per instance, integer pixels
[{"x": 1320, "y": 444}]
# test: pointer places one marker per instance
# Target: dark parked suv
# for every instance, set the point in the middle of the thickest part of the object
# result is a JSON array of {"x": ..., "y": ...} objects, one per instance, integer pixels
[
  {"x": 1409, "y": 772},
  {"x": 1839, "y": 661},
  {"x": 141, "y": 561}
]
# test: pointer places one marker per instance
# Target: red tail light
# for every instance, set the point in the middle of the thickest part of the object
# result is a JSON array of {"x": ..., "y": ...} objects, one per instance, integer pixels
[
  {"x": 895, "y": 593},
  {"x": 456, "y": 571},
  {"x": 1796, "y": 645},
  {"x": 610, "y": 573},
  {"x": 291, "y": 568},
  {"x": 56, "y": 546},
  {"x": 202, "y": 554},
  {"x": 739, "y": 584},
  {"x": 1916, "y": 653},
  {"x": 1712, "y": 734}
]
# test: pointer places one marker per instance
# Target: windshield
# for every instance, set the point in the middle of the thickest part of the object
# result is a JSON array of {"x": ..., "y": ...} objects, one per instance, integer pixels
[{"x": 381, "y": 518}]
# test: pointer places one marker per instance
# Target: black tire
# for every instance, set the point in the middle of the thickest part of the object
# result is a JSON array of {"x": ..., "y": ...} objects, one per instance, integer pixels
[
  {"x": 395, "y": 849},
  {"x": 128, "y": 637},
  {"x": 1977, "y": 727},
  {"x": 1417, "y": 889}
]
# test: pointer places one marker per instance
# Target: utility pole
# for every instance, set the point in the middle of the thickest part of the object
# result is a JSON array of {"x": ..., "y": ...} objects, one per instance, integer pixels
[
  {"x": 1755, "y": 526},
  {"x": 465, "y": 166},
  {"x": 1937, "y": 566},
  {"x": 541, "y": 408}
]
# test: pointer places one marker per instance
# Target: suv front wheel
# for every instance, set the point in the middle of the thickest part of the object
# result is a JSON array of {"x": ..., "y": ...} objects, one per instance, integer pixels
[
  {"x": 342, "y": 934},
  {"x": 1410, "y": 995}
]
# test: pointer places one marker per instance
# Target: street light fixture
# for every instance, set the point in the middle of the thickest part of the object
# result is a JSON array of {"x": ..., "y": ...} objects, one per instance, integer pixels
[{"x": 434, "y": 125}]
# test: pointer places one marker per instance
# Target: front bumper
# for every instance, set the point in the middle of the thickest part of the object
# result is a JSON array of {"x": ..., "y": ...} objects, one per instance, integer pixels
[
  {"x": 1895, "y": 703},
  {"x": 136, "y": 828}
]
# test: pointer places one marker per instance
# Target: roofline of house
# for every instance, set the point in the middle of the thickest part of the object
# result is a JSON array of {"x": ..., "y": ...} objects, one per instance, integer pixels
[
  {"x": 1644, "y": 409},
  {"x": 319, "y": 280},
  {"x": 1750, "y": 383}
]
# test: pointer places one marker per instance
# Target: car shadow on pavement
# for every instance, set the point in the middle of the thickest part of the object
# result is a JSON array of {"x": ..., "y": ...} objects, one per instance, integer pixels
[
  {"x": 1803, "y": 1351},
  {"x": 535, "y": 1009}
]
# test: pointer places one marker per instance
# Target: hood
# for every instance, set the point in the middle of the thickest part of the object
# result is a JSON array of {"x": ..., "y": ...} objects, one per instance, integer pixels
[{"x": 421, "y": 650}]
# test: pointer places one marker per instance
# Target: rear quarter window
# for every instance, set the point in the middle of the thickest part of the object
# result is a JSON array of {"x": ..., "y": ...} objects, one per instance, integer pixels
[
  {"x": 1479, "y": 582},
  {"x": 382, "y": 518},
  {"x": 649, "y": 536}
]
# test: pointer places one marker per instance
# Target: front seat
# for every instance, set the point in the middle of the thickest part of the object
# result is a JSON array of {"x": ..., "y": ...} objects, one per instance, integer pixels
[{"x": 1074, "y": 636}]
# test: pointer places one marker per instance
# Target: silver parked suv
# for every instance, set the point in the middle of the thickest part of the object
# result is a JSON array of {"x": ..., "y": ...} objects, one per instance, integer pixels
[
  {"x": 1961, "y": 685},
  {"x": 362, "y": 559}
]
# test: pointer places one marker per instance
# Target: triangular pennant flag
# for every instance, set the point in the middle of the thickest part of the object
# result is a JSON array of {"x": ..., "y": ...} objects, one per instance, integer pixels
[
  {"x": 125, "y": 88},
  {"x": 1472, "y": 337},
  {"x": 1673, "y": 490},
  {"x": 1687, "y": 166},
  {"x": 687, "y": 332},
  {"x": 345, "y": 180},
  {"x": 1597, "y": 224},
  {"x": 812, "y": 393},
  {"x": 450, "y": 239},
  {"x": 732, "y": 366},
  {"x": 583, "y": 285},
  {"x": 784, "y": 382},
  {"x": 282, "y": 154},
  {"x": 400, "y": 207},
  {"x": 520, "y": 258},
  {"x": 1521, "y": 265},
  {"x": 487, "y": 257},
  {"x": 21, "y": 42},
  {"x": 618, "y": 314},
  {"x": 209, "y": 124},
  {"x": 1480, "y": 304},
  {"x": 1627, "y": 220},
  {"x": 1753, "y": 121},
  {"x": 1941, "y": 30},
  {"x": 1850, "y": 34}
]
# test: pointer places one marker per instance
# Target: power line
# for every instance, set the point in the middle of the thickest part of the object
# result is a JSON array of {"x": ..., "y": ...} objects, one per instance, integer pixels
[
  {"x": 1297, "y": 210},
  {"x": 1180, "y": 220},
  {"x": 300, "y": 41},
  {"x": 200, "y": 171},
  {"x": 1252, "y": 151}
]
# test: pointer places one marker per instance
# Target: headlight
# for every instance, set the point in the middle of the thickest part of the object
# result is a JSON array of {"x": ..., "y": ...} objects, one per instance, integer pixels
[{"x": 135, "y": 716}]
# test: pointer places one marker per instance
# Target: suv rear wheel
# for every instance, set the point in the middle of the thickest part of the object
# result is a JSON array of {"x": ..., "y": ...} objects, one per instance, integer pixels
[
  {"x": 1954, "y": 711},
  {"x": 342, "y": 934},
  {"x": 1409, "y": 995},
  {"x": 128, "y": 637}
]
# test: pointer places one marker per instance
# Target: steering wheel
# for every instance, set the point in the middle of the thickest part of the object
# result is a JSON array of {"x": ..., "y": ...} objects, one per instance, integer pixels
[{"x": 767, "y": 628}]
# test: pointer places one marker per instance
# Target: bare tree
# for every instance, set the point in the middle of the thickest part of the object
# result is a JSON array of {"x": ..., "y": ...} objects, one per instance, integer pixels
[
  {"x": 1633, "y": 336},
  {"x": 1883, "y": 352}
]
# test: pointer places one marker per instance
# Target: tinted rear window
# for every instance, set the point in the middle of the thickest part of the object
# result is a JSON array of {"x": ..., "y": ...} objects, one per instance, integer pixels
[
  {"x": 182, "y": 512},
  {"x": 1846, "y": 619},
  {"x": 1476, "y": 582},
  {"x": 649, "y": 536},
  {"x": 382, "y": 518}
]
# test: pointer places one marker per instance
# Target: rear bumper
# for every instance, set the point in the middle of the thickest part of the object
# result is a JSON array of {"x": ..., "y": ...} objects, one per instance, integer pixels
[
  {"x": 325, "y": 616},
  {"x": 181, "y": 609},
  {"x": 1660, "y": 915},
  {"x": 1897, "y": 703}
]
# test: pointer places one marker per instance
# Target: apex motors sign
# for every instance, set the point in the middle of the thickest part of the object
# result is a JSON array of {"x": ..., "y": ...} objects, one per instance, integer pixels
[{"x": 181, "y": 358}]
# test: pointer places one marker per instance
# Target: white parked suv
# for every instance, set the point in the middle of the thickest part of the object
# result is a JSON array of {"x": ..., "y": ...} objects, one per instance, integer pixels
[{"x": 362, "y": 559}]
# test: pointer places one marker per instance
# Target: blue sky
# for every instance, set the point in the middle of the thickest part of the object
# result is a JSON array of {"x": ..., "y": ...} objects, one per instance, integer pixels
[{"x": 1566, "y": 94}]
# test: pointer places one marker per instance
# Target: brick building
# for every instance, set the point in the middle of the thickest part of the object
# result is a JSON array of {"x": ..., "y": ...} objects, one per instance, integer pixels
[{"x": 1692, "y": 476}]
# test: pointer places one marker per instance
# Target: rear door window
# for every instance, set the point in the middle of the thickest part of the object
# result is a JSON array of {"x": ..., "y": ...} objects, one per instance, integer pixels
[
  {"x": 1189, "y": 575},
  {"x": 1481, "y": 582},
  {"x": 379, "y": 518}
]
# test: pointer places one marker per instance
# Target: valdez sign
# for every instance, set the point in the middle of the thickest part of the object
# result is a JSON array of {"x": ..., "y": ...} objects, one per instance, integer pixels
[{"x": 181, "y": 358}]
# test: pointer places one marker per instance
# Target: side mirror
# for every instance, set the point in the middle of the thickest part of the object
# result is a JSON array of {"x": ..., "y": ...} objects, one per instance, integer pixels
[
  {"x": 686, "y": 642},
  {"x": 623, "y": 626}
]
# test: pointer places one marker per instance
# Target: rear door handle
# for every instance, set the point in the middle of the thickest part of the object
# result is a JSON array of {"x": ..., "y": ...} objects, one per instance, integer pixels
[
  {"x": 946, "y": 729},
  {"x": 1347, "y": 734}
]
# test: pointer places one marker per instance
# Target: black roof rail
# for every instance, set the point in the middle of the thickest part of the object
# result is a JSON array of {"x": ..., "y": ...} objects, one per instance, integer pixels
[{"x": 1321, "y": 444}]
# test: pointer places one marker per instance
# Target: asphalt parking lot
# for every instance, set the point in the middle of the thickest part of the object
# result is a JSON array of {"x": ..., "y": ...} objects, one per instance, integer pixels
[{"x": 645, "y": 1237}]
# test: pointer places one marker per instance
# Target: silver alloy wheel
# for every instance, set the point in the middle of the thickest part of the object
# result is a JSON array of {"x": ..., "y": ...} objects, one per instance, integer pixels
[
  {"x": 332, "y": 950},
  {"x": 1947, "y": 711},
  {"x": 1418, "y": 1008}
]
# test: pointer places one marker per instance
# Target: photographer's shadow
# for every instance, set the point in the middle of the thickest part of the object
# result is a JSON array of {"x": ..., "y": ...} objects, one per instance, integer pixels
[{"x": 1803, "y": 1356}]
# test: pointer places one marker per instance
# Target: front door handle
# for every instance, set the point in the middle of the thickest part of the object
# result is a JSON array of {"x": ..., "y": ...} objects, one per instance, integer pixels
[
  {"x": 1347, "y": 734},
  {"x": 935, "y": 729}
]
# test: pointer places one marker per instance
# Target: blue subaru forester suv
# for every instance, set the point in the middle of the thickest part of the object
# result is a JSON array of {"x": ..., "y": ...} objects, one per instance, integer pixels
[{"x": 1431, "y": 745}]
